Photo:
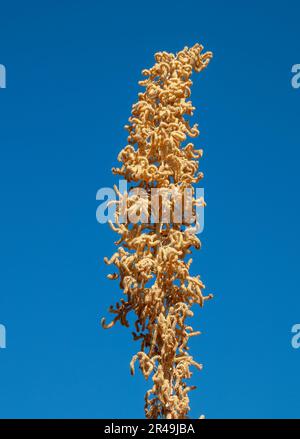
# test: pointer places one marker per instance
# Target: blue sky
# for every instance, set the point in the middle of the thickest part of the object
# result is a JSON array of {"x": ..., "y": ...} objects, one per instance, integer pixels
[{"x": 72, "y": 72}]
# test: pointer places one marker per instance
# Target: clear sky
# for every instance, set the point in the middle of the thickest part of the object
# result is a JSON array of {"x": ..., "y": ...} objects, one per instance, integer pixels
[{"x": 72, "y": 71}]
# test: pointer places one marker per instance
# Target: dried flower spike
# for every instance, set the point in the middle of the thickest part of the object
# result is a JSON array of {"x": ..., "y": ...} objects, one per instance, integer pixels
[{"x": 151, "y": 262}]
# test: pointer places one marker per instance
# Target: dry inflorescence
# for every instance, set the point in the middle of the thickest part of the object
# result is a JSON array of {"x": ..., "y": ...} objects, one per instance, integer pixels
[{"x": 152, "y": 258}]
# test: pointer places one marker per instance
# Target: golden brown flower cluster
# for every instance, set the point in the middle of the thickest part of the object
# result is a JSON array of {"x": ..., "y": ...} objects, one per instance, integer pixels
[{"x": 152, "y": 258}]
